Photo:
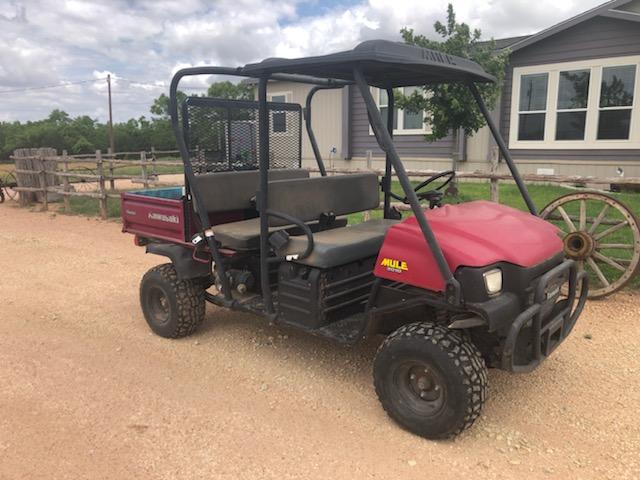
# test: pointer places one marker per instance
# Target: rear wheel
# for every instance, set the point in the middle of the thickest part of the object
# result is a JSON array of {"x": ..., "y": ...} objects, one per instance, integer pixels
[
  {"x": 173, "y": 308},
  {"x": 430, "y": 380}
]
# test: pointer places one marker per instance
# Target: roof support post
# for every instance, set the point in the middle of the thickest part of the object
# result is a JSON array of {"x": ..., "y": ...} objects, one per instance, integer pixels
[
  {"x": 190, "y": 176},
  {"x": 263, "y": 193},
  {"x": 452, "y": 291},
  {"x": 386, "y": 180},
  {"x": 310, "y": 134},
  {"x": 503, "y": 148}
]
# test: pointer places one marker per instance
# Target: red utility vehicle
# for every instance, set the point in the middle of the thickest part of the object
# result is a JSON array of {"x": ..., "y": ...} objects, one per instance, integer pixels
[{"x": 455, "y": 288}]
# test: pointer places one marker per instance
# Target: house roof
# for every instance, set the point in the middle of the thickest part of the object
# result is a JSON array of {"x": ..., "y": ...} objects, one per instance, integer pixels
[
  {"x": 609, "y": 9},
  {"x": 502, "y": 43},
  {"x": 384, "y": 64}
]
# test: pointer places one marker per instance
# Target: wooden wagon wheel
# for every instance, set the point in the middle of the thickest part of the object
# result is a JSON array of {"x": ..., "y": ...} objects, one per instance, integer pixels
[
  {"x": 601, "y": 234},
  {"x": 10, "y": 184}
]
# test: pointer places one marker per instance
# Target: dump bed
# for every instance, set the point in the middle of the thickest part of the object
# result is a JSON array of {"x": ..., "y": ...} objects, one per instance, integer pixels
[
  {"x": 157, "y": 214},
  {"x": 167, "y": 214}
]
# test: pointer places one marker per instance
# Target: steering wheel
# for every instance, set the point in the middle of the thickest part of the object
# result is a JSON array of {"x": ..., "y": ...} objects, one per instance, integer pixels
[{"x": 435, "y": 195}]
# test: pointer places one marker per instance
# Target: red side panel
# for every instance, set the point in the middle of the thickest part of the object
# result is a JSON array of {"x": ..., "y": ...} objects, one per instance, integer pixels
[
  {"x": 472, "y": 234},
  {"x": 153, "y": 217}
]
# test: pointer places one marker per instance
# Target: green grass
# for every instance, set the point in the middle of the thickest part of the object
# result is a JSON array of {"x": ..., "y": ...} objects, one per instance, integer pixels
[{"x": 89, "y": 207}]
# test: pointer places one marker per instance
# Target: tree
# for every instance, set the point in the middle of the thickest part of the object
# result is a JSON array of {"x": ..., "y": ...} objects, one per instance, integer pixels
[
  {"x": 160, "y": 105},
  {"x": 226, "y": 89},
  {"x": 451, "y": 106}
]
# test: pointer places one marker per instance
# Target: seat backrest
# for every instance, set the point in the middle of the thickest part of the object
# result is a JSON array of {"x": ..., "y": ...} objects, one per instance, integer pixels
[
  {"x": 227, "y": 191},
  {"x": 306, "y": 199}
]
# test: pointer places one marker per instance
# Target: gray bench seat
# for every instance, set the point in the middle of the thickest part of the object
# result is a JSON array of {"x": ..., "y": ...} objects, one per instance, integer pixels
[
  {"x": 245, "y": 234},
  {"x": 341, "y": 245},
  {"x": 307, "y": 199}
]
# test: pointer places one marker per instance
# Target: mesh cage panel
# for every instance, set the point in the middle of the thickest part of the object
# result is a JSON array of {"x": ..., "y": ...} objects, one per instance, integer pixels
[{"x": 222, "y": 135}]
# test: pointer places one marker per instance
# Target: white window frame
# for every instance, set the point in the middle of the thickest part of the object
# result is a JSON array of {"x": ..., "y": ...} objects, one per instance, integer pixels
[
  {"x": 593, "y": 106},
  {"x": 426, "y": 127},
  {"x": 531, "y": 112},
  {"x": 288, "y": 118}
]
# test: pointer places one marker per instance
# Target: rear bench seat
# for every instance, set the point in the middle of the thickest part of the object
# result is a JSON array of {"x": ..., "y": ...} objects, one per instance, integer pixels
[
  {"x": 307, "y": 199},
  {"x": 228, "y": 191}
]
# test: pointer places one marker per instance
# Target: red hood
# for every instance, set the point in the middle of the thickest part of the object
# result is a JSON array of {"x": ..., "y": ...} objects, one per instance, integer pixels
[
  {"x": 480, "y": 233},
  {"x": 471, "y": 234}
]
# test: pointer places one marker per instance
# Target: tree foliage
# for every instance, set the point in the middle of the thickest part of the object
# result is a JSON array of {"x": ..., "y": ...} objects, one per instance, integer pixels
[
  {"x": 451, "y": 106},
  {"x": 83, "y": 134}
]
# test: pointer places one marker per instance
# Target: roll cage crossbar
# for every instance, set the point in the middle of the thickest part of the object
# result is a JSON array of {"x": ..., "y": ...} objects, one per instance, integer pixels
[{"x": 384, "y": 136}]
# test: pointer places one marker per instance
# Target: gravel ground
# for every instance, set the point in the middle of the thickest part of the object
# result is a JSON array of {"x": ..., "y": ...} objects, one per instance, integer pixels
[{"x": 86, "y": 391}]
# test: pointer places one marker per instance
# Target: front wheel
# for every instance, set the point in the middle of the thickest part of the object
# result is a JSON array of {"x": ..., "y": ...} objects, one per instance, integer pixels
[
  {"x": 173, "y": 308},
  {"x": 430, "y": 380}
]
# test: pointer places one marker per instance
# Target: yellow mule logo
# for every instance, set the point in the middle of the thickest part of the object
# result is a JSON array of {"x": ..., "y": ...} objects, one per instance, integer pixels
[{"x": 392, "y": 265}]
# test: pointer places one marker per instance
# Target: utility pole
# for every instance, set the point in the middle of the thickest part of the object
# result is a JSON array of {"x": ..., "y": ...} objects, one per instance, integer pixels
[{"x": 111, "y": 141}]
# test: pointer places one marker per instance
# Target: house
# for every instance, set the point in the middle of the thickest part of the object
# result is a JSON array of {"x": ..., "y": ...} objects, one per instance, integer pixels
[{"x": 569, "y": 105}]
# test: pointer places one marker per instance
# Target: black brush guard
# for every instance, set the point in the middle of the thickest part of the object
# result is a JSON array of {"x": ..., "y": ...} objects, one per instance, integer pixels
[{"x": 546, "y": 327}]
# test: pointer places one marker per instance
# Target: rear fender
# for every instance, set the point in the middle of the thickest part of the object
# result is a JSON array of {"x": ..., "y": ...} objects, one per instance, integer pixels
[{"x": 182, "y": 259}]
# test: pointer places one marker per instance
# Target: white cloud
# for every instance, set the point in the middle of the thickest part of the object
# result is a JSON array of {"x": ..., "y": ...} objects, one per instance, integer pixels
[{"x": 143, "y": 42}]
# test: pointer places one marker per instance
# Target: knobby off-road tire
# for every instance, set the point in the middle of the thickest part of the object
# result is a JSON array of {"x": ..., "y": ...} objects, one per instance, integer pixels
[
  {"x": 431, "y": 380},
  {"x": 173, "y": 308}
]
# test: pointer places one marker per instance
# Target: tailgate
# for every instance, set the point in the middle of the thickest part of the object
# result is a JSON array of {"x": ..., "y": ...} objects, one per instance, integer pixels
[{"x": 154, "y": 214}]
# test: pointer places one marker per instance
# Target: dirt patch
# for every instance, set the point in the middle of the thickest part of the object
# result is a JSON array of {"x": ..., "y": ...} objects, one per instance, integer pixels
[{"x": 86, "y": 391}]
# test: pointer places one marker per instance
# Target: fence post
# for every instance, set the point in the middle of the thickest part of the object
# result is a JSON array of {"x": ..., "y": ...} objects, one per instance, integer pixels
[
  {"x": 102, "y": 201},
  {"x": 493, "y": 182},
  {"x": 145, "y": 173},
  {"x": 154, "y": 166},
  {"x": 65, "y": 182},
  {"x": 112, "y": 182},
  {"x": 43, "y": 184}
]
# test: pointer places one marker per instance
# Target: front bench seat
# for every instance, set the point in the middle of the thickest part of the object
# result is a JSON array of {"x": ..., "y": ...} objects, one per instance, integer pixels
[
  {"x": 341, "y": 245},
  {"x": 245, "y": 234}
]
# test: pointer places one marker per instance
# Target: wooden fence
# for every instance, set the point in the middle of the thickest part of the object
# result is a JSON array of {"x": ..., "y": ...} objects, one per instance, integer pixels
[
  {"x": 57, "y": 175},
  {"x": 60, "y": 174}
]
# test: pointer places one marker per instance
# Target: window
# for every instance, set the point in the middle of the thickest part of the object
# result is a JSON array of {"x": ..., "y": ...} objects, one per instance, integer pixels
[
  {"x": 404, "y": 121},
  {"x": 279, "y": 118},
  {"x": 383, "y": 105},
  {"x": 588, "y": 104},
  {"x": 573, "y": 93},
  {"x": 616, "y": 102},
  {"x": 533, "y": 106}
]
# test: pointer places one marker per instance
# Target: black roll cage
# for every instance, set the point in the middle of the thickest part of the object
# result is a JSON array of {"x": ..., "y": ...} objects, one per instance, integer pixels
[{"x": 384, "y": 137}]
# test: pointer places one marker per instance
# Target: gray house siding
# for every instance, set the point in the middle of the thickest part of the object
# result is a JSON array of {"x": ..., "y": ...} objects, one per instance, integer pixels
[
  {"x": 599, "y": 37},
  {"x": 407, "y": 145}
]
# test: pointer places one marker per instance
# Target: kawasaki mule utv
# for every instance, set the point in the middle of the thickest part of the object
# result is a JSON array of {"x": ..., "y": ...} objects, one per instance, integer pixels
[{"x": 455, "y": 288}]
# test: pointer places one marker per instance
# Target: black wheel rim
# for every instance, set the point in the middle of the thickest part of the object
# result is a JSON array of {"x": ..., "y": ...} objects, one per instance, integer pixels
[
  {"x": 159, "y": 306},
  {"x": 420, "y": 387}
]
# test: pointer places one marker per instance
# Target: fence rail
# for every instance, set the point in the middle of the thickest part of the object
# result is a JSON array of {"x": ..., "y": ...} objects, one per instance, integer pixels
[{"x": 106, "y": 165}]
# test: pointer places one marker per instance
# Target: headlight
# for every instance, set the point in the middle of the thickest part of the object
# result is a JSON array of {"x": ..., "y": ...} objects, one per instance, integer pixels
[{"x": 493, "y": 281}]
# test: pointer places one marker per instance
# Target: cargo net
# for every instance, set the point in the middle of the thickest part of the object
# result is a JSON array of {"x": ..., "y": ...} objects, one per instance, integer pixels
[{"x": 222, "y": 135}]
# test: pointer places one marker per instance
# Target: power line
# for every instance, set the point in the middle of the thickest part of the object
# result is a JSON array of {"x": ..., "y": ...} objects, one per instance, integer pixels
[
  {"x": 58, "y": 85},
  {"x": 92, "y": 80}
]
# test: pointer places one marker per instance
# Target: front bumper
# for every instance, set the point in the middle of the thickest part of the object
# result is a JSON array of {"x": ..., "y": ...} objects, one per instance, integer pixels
[{"x": 538, "y": 330}]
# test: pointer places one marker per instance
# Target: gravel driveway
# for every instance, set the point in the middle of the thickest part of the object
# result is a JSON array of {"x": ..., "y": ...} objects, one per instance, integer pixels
[{"x": 86, "y": 391}]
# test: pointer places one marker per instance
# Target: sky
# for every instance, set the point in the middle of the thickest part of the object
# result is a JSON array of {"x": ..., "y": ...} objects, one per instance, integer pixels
[{"x": 141, "y": 43}]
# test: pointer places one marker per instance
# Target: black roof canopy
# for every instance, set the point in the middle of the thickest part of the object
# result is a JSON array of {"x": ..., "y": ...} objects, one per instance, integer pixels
[{"x": 384, "y": 64}]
